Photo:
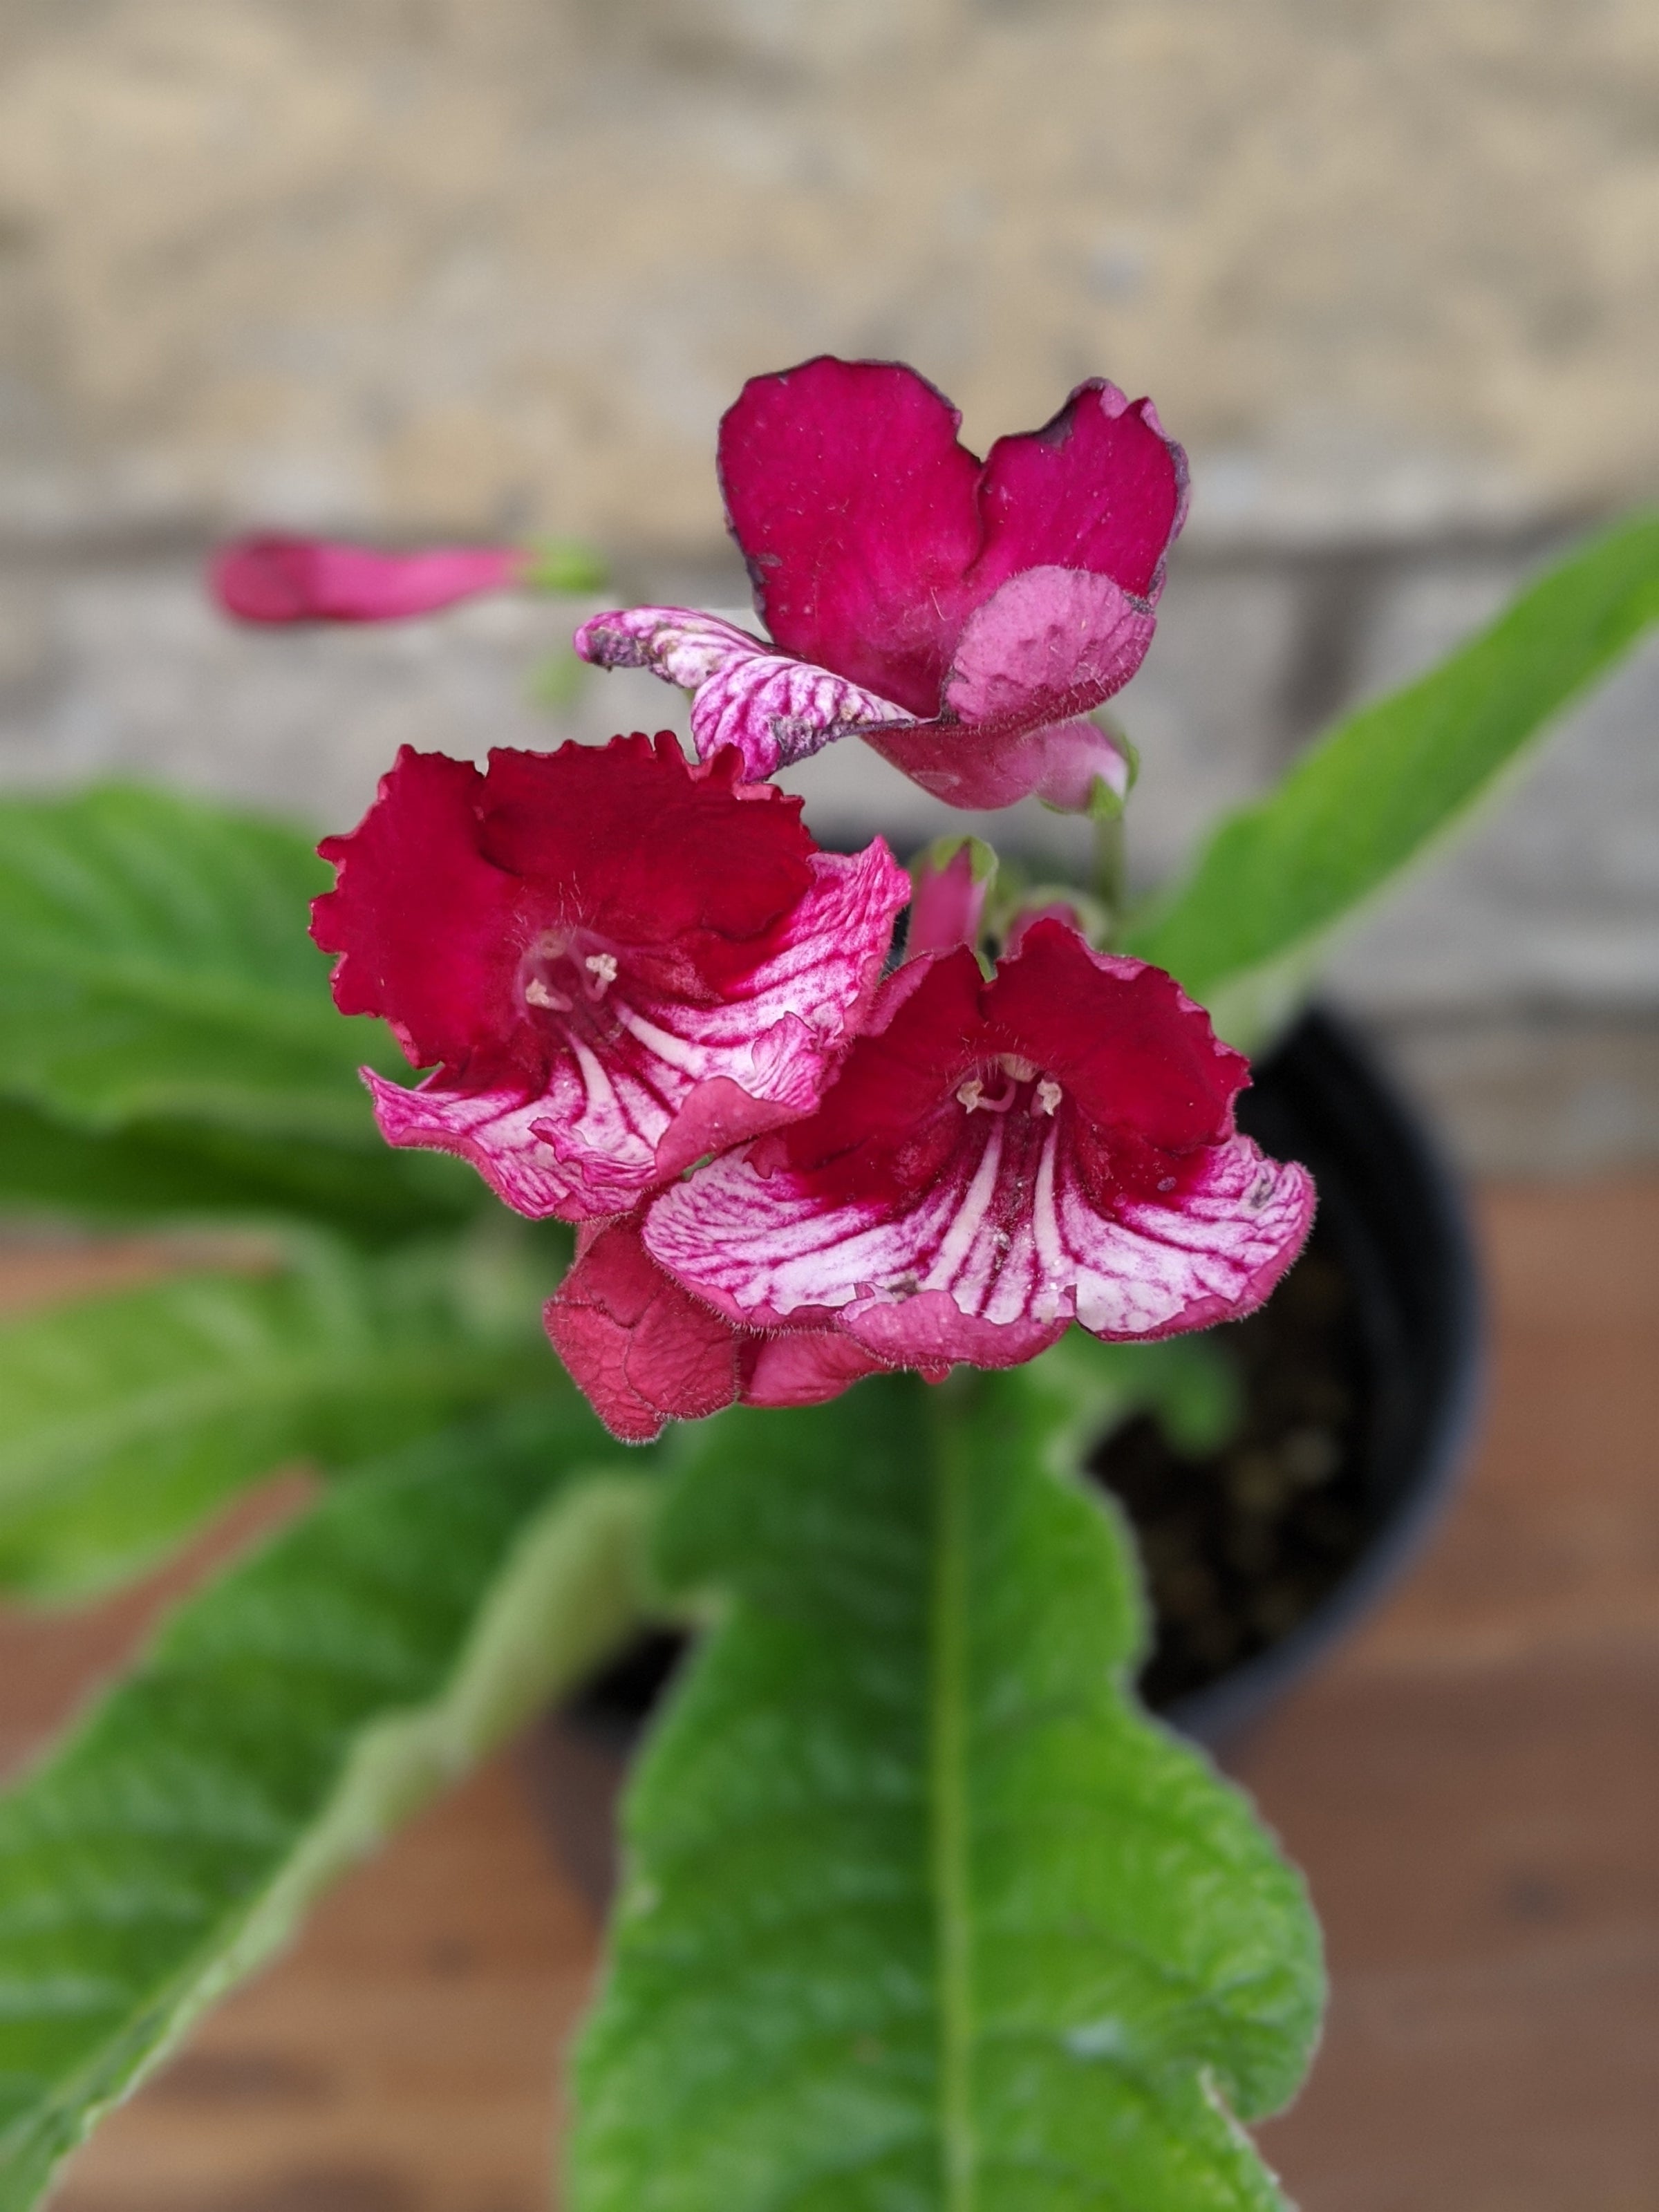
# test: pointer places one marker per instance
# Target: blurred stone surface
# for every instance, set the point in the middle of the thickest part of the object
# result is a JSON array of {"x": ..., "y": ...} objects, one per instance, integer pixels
[
  {"x": 492, "y": 266},
  {"x": 495, "y": 262}
]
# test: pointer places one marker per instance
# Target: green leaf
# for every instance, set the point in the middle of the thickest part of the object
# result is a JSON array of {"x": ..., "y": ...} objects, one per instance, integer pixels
[
  {"x": 184, "y": 1171},
  {"x": 283, "y": 1723},
  {"x": 919, "y": 1912},
  {"x": 157, "y": 966},
  {"x": 125, "y": 1419},
  {"x": 1245, "y": 930}
]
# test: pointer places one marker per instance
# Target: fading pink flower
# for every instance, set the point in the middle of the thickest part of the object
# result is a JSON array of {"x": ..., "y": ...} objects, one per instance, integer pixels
[
  {"x": 614, "y": 962},
  {"x": 644, "y": 1351},
  {"x": 273, "y": 578},
  {"x": 962, "y": 617},
  {"x": 995, "y": 1160}
]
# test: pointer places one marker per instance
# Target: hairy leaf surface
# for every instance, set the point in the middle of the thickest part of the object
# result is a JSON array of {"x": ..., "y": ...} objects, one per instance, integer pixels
[
  {"x": 125, "y": 1419},
  {"x": 283, "y": 1722},
  {"x": 148, "y": 1172},
  {"x": 157, "y": 965},
  {"x": 1244, "y": 931},
  {"x": 920, "y": 1913}
]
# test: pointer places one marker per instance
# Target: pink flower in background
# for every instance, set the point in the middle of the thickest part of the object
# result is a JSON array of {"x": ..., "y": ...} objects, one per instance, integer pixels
[
  {"x": 614, "y": 961},
  {"x": 644, "y": 1351},
  {"x": 272, "y": 578},
  {"x": 962, "y": 617},
  {"x": 995, "y": 1160},
  {"x": 947, "y": 906}
]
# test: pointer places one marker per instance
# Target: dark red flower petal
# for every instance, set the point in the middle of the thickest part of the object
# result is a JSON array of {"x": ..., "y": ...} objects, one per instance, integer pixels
[
  {"x": 618, "y": 960},
  {"x": 644, "y": 1351},
  {"x": 1099, "y": 487},
  {"x": 854, "y": 505},
  {"x": 872, "y": 533},
  {"x": 1122, "y": 1038},
  {"x": 454, "y": 872}
]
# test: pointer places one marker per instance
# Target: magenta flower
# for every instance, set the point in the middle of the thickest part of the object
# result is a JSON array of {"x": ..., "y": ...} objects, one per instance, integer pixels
[
  {"x": 272, "y": 578},
  {"x": 995, "y": 1160},
  {"x": 644, "y": 1351},
  {"x": 614, "y": 962},
  {"x": 962, "y": 617}
]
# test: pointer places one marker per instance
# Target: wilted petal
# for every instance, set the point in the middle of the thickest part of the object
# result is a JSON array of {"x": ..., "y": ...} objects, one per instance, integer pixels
[
  {"x": 776, "y": 711},
  {"x": 773, "y": 708},
  {"x": 272, "y": 578},
  {"x": 682, "y": 645}
]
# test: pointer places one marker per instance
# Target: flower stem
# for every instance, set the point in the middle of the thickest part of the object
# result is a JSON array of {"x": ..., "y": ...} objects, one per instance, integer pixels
[
  {"x": 952, "y": 1409},
  {"x": 1109, "y": 875}
]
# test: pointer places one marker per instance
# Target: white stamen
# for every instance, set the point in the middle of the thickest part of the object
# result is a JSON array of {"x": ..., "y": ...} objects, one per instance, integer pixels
[
  {"x": 602, "y": 966},
  {"x": 536, "y": 994},
  {"x": 1016, "y": 1065},
  {"x": 1048, "y": 1095},
  {"x": 970, "y": 1093}
]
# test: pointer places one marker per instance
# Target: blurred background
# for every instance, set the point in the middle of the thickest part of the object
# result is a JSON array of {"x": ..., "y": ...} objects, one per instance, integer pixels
[
  {"x": 402, "y": 269},
  {"x": 493, "y": 267}
]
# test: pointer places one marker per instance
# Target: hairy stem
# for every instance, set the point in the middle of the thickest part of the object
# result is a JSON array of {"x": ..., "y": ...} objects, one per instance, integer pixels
[
  {"x": 952, "y": 1409},
  {"x": 1109, "y": 884}
]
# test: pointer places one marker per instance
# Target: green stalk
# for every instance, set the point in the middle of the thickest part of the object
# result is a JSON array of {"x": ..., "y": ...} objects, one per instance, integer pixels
[
  {"x": 952, "y": 1409},
  {"x": 1109, "y": 883}
]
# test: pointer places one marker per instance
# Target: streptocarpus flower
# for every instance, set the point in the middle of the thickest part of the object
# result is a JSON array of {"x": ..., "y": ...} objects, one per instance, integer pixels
[
  {"x": 644, "y": 1351},
  {"x": 962, "y": 617},
  {"x": 276, "y": 579},
  {"x": 995, "y": 1160},
  {"x": 614, "y": 961}
]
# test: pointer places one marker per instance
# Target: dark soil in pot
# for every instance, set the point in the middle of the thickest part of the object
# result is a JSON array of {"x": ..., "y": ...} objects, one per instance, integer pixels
[{"x": 1359, "y": 1380}]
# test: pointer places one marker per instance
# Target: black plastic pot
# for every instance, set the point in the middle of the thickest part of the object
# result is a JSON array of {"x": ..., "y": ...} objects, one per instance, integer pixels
[
  {"x": 1392, "y": 1220},
  {"x": 1399, "y": 1228}
]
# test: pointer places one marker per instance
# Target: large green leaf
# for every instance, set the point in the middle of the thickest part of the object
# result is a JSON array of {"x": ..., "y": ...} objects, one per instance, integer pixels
[
  {"x": 1244, "y": 931},
  {"x": 157, "y": 965},
  {"x": 284, "y": 1720},
  {"x": 125, "y": 1419},
  {"x": 183, "y": 1171},
  {"x": 920, "y": 1913}
]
